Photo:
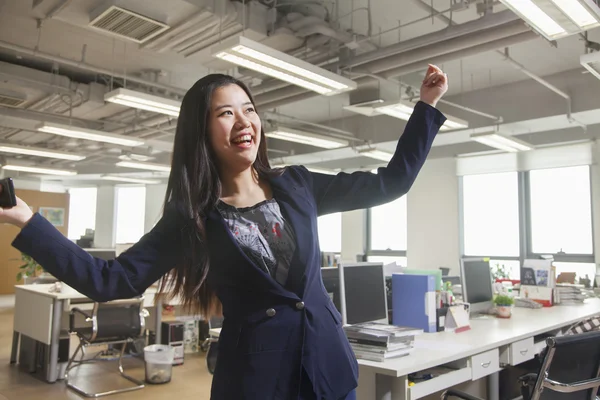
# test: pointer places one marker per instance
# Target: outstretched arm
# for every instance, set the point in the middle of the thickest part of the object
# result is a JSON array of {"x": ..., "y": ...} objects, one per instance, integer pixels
[
  {"x": 345, "y": 192},
  {"x": 127, "y": 276}
]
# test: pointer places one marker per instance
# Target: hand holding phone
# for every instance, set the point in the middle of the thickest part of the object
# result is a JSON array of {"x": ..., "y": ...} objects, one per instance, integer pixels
[
  {"x": 13, "y": 210},
  {"x": 8, "y": 199}
]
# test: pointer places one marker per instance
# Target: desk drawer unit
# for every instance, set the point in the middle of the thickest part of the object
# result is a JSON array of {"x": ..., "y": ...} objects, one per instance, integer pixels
[
  {"x": 517, "y": 352},
  {"x": 484, "y": 364}
]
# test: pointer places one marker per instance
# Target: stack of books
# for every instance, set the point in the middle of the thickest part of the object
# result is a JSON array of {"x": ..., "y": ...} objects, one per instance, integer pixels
[
  {"x": 569, "y": 294},
  {"x": 378, "y": 342}
]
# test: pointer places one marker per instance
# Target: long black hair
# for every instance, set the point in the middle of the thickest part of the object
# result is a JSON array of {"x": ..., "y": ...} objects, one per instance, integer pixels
[{"x": 195, "y": 188}]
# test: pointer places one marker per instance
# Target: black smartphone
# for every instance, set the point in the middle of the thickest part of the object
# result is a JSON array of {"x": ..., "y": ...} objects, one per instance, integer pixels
[{"x": 8, "y": 198}]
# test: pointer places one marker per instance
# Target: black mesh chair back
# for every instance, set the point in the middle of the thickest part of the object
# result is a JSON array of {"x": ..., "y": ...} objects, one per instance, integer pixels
[
  {"x": 571, "y": 367},
  {"x": 117, "y": 321}
]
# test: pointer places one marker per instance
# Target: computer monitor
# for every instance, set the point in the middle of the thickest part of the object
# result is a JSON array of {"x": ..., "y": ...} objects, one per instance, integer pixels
[
  {"x": 362, "y": 293},
  {"x": 331, "y": 281},
  {"x": 476, "y": 278}
]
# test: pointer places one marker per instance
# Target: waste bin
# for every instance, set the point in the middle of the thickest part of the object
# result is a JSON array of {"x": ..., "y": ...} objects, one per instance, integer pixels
[{"x": 158, "y": 359}]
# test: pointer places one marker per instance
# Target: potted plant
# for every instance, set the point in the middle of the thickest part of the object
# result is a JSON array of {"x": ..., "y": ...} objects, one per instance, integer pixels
[
  {"x": 28, "y": 272},
  {"x": 504, "y": 304}
]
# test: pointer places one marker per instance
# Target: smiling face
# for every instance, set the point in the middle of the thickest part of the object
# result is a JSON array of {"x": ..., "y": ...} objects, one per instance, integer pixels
[{"x": 234, "y": 129}]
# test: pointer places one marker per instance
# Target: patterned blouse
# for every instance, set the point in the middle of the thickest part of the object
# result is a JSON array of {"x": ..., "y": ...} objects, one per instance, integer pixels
[{"x": 263, "y": 234}]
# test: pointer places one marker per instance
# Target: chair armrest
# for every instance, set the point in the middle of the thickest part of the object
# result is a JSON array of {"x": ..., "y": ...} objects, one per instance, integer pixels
[
  {"x": 459, "y": 394},
  {"x": 88, "y": 318}
]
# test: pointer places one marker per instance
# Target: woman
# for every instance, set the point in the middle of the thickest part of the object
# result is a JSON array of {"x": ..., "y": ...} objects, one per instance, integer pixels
[{"x": 241, "y": 238}]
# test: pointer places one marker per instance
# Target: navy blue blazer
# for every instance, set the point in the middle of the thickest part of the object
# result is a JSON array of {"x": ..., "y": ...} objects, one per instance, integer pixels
[{"x": 270, "y": 332}]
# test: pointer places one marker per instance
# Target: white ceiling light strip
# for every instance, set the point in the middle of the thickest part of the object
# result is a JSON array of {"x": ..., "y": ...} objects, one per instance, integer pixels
[
  {"x": 34, "y": 151},
  {"x": 591, "y": 62},
  {"x": 266, "y": 60},
  {"x": 88, "y": 134},
  {"x": 129, "y": 180},
  {"x": 555, "y": 19},
  {"x": 144, "y": 101},
  {"x": 377, "y": 154},
  {"x": 502, "y": 142},
  {"x": 145, "y": 166},
  {"x": 37, "y": 170},
  {"x": 309, "y": 138}
]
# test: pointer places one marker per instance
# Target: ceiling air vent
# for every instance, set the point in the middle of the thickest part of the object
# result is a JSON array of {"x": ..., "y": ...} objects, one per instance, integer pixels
[
  {"x": 127, "y": 24},
  {"x": 9, "y": 100}
]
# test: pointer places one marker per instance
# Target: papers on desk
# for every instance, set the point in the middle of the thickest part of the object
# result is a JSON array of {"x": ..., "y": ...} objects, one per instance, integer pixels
[
  {"x": 569, "y": 294},
  {"x": 377, "y": 342}
]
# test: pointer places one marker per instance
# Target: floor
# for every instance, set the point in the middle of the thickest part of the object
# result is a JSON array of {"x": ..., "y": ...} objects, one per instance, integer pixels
[{"x": 189, "y": 381}]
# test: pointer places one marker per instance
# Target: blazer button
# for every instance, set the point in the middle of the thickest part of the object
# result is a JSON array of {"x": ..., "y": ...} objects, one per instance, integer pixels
[
  {"x": 271, "y": 312},
  {"x": 300, "y": 305}
]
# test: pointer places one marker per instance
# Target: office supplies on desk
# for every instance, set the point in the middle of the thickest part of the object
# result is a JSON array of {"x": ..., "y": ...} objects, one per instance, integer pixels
[
  {"x": 378, "y": 342},
  {"x": 414, "y": 301},
  {"x": 538, "y": 273},
  {"x": 457, "y": 318},
  {"x": 437, "y": 273}
]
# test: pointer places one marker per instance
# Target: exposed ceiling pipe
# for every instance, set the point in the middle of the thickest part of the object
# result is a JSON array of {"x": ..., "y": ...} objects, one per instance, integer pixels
[
  {"x": 184, "y": 28},
  {"x": 444, "y": 58},
  {"x": 85, "y": 66},
  {"x": 444, "y": 47},
  {"x": 467, "y": 28},
  {"x": 291, "y": 94}
]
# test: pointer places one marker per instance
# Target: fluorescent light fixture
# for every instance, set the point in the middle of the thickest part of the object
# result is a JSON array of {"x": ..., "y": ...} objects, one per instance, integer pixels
[
  {"x": 502, "y": 142},
  {"x": 88, "y": 134},
  {"x": 309, "y": 138},
  {"x": 400, "y": 110},
  {"x": 147, "y": 166},
  {"x": 144, "y": 101},
  {"x": 130, "y": 180},
  {"x": 454, "y": 123},
  {"x": 403, "y": 109},
  {"x": 256, "y": 56},
  {"x": 377, "y": 154},
  {"x": 591, "y": 62},
  {"x": 34, "y": 151},
  {"x": 555, "y": 19},
  {"x": 38, "y": 170},
  {"x": 321, "y": 170}
]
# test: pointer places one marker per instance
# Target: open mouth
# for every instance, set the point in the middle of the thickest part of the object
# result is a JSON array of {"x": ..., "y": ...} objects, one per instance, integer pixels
[{"x": 242, "y": 140}]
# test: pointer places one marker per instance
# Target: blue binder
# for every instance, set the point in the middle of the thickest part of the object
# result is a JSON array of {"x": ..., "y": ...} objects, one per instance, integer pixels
[{"x": 414, "y": 301}]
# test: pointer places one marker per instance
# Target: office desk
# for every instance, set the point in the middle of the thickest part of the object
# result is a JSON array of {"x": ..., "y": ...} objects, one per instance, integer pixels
[
  {"x": 38, "y": 315},
  {"x": 482, "y": 351}
]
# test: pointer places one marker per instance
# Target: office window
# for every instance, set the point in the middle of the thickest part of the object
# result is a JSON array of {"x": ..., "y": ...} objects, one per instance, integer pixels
[
  {"x": 387, "y": 226},
  {"x": 511, "y": 267},
  {"x": 82, "y": 211},
  {"x": 561, "y": 212},
  {"x": 330, "y": 232},
  {"x": 131, "y": 207},
  {"x": 491, "y": 214}
]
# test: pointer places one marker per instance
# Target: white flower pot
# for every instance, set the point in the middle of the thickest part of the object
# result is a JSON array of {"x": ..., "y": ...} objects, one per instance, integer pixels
[{"x": 504, "y": 311}]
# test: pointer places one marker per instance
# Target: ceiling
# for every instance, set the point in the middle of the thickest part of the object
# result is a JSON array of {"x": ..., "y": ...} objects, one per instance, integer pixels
[{"x": 61, "y": 67}]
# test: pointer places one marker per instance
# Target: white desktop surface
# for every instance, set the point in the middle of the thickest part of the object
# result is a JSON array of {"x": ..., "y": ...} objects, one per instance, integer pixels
[
  {"x": 433, "y": 349},
  {"x": 45, "y": 290}
]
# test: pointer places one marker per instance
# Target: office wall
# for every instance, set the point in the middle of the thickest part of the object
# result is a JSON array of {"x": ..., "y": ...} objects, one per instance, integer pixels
[
  {"x": 354, "y": 231},
  {"x": 433, "y": 224},
  {"x": 595, "y": 176},
  {"x": 155, "y": 197},
  {"x": 10, "y": 258},
  {"x": 106, "y": 217}
]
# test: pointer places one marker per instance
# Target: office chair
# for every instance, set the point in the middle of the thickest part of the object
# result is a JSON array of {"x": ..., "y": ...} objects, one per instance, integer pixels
[
  {"x": 570, "y": 369},
  {"x": 210, "y": 344},
  {"x": 114, "y": 322}
]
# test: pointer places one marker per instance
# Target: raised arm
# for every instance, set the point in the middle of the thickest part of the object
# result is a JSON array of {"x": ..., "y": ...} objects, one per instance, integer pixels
[
  {"x": 129, "y": 275},
  {"x": 345, "y": 192}
]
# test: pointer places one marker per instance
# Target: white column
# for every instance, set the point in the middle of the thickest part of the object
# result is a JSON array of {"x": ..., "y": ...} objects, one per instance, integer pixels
[
  {"x": 106, "y": 217},
  {"x": 433, "y": 229},
  {"x": 595, "y": 177},
  {"x": 353, "y": 235},
  {"x": 155, "y": 197}
]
